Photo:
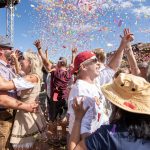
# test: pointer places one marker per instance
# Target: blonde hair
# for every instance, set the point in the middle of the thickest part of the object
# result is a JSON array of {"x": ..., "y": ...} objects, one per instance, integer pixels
[
  {"x": 36, "y": 63},
  {"x": 100, "y": 54}
]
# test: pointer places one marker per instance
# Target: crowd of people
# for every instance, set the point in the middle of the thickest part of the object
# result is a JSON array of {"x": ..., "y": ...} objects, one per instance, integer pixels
[{"x": 103, "y": 104}]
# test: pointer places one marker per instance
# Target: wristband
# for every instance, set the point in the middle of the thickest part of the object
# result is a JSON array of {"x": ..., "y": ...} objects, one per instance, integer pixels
[{"x": 39, "y": 48}]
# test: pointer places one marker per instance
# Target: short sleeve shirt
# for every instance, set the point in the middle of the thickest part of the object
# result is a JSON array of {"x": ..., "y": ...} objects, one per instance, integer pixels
[
  {"x": 105, "y": 76},
  {"x": 112, "y": 137},
  {"x": 60, "y": 81},
  {"x": 7, "y": 73},
  {"x": 93, "y": 99}
]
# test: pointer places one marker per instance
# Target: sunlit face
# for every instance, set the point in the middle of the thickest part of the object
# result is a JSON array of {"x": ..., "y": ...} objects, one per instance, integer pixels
[
  {"x": 25, "y": 65},
  {"x": 92, "y": 66}
]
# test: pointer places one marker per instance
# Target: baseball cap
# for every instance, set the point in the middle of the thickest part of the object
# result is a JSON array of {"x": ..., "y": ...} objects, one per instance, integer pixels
[
  {"x": 5, "y": 42},
  {"x": 81, "y": 58}
]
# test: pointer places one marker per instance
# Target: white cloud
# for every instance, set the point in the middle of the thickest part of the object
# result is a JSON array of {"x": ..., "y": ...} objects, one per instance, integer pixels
[
  {"x": 126, "y": 4},
  {"x": 105, "y": 6},
  {"x": 109, "y": 45},
  {"x": 24, "y": 35},
  {"x": 138, "y": 1},
  {"x": 143, "y": 10},
  {"x": 119, "y": 4}
]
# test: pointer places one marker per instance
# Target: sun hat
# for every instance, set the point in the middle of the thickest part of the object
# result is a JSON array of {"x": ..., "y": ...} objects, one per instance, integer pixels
[
  {"x": 129, "y": 92},
  {"x": 81, "y": 58}
]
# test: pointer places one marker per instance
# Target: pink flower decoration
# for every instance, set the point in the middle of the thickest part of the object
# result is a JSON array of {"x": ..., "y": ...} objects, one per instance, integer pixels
[{"x": 130, "y": 105}]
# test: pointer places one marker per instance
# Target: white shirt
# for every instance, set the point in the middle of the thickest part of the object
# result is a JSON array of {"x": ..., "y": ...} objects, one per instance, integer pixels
[
  {"x": 48, "y": 83},
  {"x": 105, "y": 76},
  {"x": 95, "y": 115}
]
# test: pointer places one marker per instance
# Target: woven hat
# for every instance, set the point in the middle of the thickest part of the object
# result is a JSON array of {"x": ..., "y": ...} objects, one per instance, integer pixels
[
  {"x": 81, "y": 58},
  {"x": 129, "y": 92}
]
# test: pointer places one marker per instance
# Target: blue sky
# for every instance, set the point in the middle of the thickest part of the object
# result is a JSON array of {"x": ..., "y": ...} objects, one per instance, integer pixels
[{"x": 63, "y": 24}]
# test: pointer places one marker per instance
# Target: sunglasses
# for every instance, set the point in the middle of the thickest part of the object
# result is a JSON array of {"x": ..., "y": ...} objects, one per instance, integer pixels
[{"x": 91, "y": 61}]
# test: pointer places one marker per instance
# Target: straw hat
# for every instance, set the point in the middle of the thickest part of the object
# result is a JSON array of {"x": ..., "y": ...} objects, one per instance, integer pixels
[{"x": 129, "y": 92}]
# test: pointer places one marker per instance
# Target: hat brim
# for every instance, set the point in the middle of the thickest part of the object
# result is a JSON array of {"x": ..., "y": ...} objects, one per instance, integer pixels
[
  {"x": 130, "y": 104},
  {"x": 5, "y": 46}
]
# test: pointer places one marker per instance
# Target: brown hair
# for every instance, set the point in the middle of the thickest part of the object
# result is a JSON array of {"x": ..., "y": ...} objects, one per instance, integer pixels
[
  {"x": 100, "y": 54},
  {"x": 62, "y": 61}
]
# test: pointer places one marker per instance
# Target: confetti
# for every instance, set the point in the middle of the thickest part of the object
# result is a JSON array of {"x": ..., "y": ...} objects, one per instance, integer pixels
[{"x": 64, "y": 23}]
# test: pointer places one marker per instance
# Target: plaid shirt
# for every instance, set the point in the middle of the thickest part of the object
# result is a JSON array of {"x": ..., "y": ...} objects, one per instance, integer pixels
[{"x": 7, "y": 73}]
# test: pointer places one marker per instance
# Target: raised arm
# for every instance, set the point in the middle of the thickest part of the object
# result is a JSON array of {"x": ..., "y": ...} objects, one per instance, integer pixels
[
  {"x": 46, "y": 62},
  {"x": 132, "y": 61},
  {"x": 15, "y": 56},
  {"x": 46, "y": 53},
  {"x": 74, "y": 53},
  {"x": 13, "y": 103},
  {"x": 117, "y": 58}
]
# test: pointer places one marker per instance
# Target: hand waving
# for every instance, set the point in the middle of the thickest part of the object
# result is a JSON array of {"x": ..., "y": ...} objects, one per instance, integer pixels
[
  {"x": 127, "y": 38},
  {"x": 74, "y": 50},
  {"x": 37, "y": 43}
]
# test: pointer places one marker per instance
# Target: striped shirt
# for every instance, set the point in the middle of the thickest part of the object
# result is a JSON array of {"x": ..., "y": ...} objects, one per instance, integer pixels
[{"x": 7, "y": 73}]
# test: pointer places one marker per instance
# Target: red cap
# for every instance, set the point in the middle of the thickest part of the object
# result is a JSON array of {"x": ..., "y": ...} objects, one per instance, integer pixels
[{"x": 80, "y": 58}]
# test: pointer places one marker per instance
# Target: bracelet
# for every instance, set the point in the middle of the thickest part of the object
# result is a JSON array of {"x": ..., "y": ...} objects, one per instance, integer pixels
[{"x": 39, "y": 48}]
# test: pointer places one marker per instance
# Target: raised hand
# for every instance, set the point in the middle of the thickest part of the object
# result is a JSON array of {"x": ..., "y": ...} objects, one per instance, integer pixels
[
  {"x": 127, "y": 38},
  {"x": 74, "y": 50},
  {"x": 37, "y": 43},
  {"x": 18, "y": 54},
  {"x": 78, "y": 109},
  {"x": 13, "y": 54}
]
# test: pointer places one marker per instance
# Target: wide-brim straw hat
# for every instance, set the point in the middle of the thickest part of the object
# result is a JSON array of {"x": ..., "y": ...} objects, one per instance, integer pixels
[{"x": 129, "y": 92}]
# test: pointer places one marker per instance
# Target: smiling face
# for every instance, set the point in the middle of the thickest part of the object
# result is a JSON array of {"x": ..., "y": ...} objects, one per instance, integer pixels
[
  {"x": 92, "y": 67},
  {"x": 25, "y": 65}
]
